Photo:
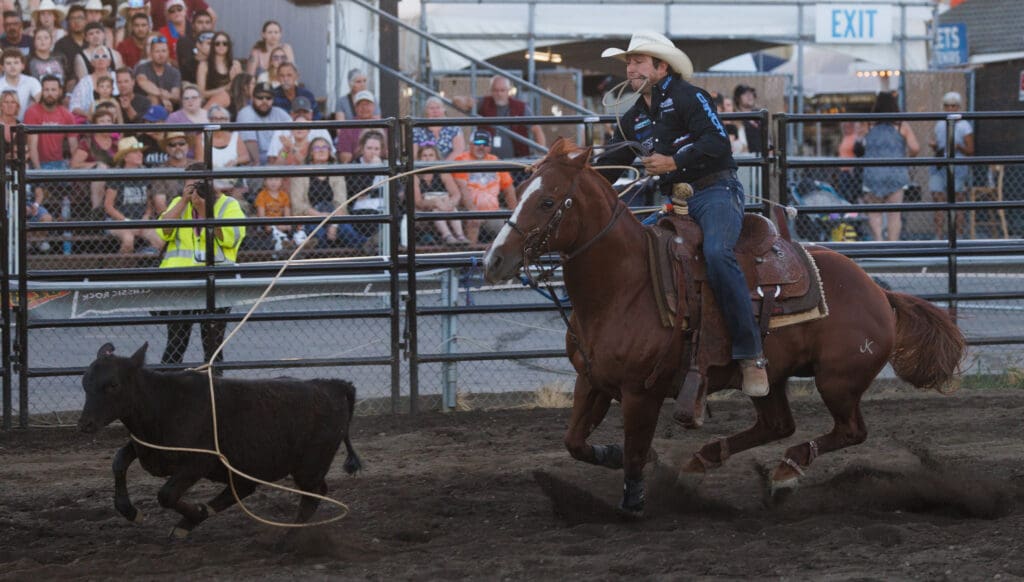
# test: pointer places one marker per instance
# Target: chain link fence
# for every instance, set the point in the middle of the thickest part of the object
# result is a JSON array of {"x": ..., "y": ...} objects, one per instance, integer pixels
[{"x": 346, "y": 310}]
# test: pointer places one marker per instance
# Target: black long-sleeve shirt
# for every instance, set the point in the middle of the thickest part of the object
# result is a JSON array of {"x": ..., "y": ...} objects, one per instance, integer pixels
[{"x": 681, "y": 122}]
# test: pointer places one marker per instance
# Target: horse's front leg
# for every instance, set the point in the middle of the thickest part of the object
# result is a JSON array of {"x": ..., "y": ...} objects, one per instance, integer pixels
[
  {"x": 640, "y": 419},
  {"x": 588, "y": 410}
]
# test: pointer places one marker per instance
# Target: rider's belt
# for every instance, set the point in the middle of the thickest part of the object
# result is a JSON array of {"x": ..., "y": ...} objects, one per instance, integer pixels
[{"x": 709, "y": 180}]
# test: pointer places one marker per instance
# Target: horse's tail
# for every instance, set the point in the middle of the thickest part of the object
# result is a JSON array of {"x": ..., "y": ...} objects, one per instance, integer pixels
[{"x": 929, "y": 344}]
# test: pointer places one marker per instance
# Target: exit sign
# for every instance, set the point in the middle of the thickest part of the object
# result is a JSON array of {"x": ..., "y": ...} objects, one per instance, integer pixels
[{"x": 853, "y": 23}]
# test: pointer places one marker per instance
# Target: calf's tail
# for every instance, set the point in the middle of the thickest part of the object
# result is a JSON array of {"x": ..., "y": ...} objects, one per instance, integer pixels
[
  {"x": 352, "y": 462},
  {"x": 929, "y": 344}
]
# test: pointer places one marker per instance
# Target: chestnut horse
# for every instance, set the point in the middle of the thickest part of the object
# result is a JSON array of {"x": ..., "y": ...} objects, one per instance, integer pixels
[{"x": 615, "y": 338}]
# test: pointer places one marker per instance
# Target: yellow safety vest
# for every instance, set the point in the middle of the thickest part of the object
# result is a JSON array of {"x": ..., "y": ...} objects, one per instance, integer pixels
[{"x": 187, "y": 248}]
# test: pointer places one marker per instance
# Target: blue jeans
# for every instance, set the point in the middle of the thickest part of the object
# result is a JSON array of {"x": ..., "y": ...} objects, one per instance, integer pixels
[{"x": 718, "y": 209}]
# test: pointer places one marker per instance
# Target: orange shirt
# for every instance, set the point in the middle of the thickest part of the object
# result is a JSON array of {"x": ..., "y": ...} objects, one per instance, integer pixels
[
  {"x": 273, "y": 205},
  {"x": 484, "y": 187}
]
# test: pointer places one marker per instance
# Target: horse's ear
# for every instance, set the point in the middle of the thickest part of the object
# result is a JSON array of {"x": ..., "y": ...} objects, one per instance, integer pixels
[
  {"x": 139, "y": 357},
  {"x": 581, "y": 158},
  {"x": 106, "y": 349}
]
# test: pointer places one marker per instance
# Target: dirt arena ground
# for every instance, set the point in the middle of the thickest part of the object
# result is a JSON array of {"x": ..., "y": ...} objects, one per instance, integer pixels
[{"x": 936, "y": 493}]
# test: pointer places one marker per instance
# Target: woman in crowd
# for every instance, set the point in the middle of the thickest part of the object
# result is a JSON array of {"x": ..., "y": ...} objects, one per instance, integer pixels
[
  {"x": 320, "y": 196},
  {"x": 48, "y": 16},
  {"x": 438, "y": 193},
  {"x": 278, "y": 56},
  {"x": 270, "y": 39},
  {"x": 886, "y": 184},
  {"x": 374, "y": 199},
  {"x": 83, "y": 97},
  {"x": 240, "y": 93},
  {"x": 96, "y": 151},
  {"x": 447, "y": 139},
  {"x": 129, "y": 199},
  {"x": 191, "y": 112},
  {"x": 43, "y": 61},
  {"x": 357, "y": 81},
  {"x": 214, "y": 75},
  {"x": 228, "y": 151}
]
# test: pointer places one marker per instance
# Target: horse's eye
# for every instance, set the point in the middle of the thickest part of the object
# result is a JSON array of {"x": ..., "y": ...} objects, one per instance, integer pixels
[{"x": 547, "y": 203}]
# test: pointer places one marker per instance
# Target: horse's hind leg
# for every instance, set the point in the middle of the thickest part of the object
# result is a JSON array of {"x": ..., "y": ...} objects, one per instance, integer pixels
[
  {"x": 640, "y": 418},
  {"x": 589, "y": 407},
  {"x": 843, "y": 401},
  {"x": 774, "y": 422}
]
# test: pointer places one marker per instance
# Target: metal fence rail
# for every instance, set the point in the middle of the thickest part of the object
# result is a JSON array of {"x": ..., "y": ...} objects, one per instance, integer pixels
[{"x": 413, "y": 326}]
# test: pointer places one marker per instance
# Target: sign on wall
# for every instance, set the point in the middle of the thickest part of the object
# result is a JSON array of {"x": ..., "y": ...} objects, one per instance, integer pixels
[
  {"x": 853, "y": 23},
  {"x": 950, "y": 49}
]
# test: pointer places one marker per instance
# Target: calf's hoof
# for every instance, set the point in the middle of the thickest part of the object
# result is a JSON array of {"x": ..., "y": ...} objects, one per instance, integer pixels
[{"x": 137, "y": 518}]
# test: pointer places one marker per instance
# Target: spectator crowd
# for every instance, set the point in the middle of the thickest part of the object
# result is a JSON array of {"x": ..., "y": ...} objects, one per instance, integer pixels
[{"x": 151, "y": 62}]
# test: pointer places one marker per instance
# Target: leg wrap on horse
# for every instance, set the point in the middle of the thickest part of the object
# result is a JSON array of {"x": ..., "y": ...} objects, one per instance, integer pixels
[
  {"x": 633, "y": 496},
  {"x": 608, "y": 456}
]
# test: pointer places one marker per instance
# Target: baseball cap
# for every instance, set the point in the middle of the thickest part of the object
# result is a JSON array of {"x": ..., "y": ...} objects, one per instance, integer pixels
[
  {"x": 263, "y": 88},
  {"x": 155, "y": 114},
  {"x": 365, "y": 96},
  {"x": 205, "y": 36},
  {"x": 94, "y": 26},
  {"x": 481, "y": 137},
  {"x": 952, "y": 98},
  {"x": 301, "y": 103}
]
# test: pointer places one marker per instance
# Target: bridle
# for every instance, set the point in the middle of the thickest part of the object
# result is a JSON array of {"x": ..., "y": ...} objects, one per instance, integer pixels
[{"x": 536, "y": 244}]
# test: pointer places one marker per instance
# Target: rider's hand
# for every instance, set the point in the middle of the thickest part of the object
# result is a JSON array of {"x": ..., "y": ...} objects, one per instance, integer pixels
[{"x": 659, "y": 164}]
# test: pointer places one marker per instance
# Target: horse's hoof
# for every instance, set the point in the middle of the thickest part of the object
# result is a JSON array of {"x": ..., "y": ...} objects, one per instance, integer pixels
[
  {"x": 138, "y": 517},
  {"x": 179, "y": 533},
  {"x": 779, "y": 491},
  {"x": 633, "y": 512}
]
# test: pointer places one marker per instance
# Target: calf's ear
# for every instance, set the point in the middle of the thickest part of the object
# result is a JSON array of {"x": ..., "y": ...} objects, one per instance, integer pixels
[
  {"x": 139, "y": 357},
  {"x": 106, "y": 349}
]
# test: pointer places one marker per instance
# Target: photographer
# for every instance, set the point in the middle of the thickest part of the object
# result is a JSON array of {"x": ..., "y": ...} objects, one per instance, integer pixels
[{"x": 186, "y": 247}]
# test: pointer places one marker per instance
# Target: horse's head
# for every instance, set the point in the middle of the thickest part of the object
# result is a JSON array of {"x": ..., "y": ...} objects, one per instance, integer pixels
[
  {"x": 107, "y": 391},
  {"x": 537, "y": 225}
]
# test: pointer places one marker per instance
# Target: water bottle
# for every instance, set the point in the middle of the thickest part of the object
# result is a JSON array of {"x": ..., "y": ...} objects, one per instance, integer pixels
[{"x": 65, "y": 215}]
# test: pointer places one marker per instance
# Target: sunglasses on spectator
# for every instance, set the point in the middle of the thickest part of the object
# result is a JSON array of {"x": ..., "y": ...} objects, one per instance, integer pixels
[
  {"x": 321, "y": 148},
  {"x": 178, "y": 144},
  {"x": 221, "y": 43},
  {"x": 158, "y": 40},
  {"x": 278, "y": 57},
  {"x": 262, "y": 97},
  {"x": 99, "y": 56}
]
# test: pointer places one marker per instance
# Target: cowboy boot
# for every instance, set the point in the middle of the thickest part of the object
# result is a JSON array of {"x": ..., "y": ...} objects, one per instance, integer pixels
[{"x": 755, "y": 377}]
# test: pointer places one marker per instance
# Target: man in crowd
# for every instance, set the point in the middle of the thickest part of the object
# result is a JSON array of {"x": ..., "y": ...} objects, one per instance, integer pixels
[
  {"x": 744, "y": 98},
  {"x": 290, "y": 89},
  {"x": 46, "y": 150},
  {"x": 500, "y": 104},
  {"x": 14, "y": 35},
  {"x": 176, "y": 147},
  {"x": 71, "y": 44},
  {"x": 133, "y": 106},
  {"x": 283, "y": 144},
  {"x": 26, "y": 87},
  {"x": 176, "y": 25},
  {"x": 192, "y": 7},
  {"x": 186, "y": 51},
  {"x": 963, "y": 145},
  {"x": 157, "y": 78},
  {"x": 261, "y": 110},
  {"x": 348, "y": 138},
  {"x": 153, "y": 155},
  {"x": 186, "y": 247},
  {"x": 135, "y": 46},
  {"x": 480, "y": 190}
]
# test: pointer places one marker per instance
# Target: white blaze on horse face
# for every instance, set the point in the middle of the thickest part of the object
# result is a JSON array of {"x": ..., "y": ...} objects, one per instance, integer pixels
[{"x": 503, "y": 235}]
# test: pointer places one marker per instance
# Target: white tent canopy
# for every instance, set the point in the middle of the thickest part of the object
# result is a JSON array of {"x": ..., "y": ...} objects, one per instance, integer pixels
[
  {"x": 487, "y": 29},
  {"x": 828, "y": 71}
]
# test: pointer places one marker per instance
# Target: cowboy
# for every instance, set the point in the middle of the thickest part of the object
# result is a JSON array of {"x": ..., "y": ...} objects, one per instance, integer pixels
[{"x": 683, "y": 141}]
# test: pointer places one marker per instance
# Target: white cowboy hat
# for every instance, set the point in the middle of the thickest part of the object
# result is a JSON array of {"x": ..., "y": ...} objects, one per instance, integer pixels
[
  {"x": 652, "y": 44},
  {"x": 96, "y": 5},
  {"x": 124, "y": 7},
  {"x": 48, "y": 5}
]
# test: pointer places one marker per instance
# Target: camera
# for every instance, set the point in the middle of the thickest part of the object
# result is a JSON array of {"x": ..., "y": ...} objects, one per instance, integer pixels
[{"x": 201, "y": 189}]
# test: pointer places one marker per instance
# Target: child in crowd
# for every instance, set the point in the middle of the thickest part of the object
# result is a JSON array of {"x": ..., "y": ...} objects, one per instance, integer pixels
[{"x": 274, "y": 202}]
